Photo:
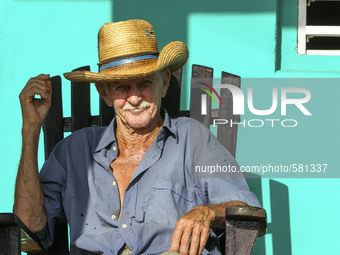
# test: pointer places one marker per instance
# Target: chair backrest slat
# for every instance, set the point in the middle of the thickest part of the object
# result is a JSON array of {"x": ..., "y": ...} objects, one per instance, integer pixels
[
  {"x": 106, "y": 113},
  {"x": 80, "y": 103},
  {"x": 178, "y": 75},
  {"x": 53, "y": 133},
  {"x": 171, "y": 102},
  {"x": 227, "y": 133},
  {"x": 200, "y": 74},
  {"x": 53, "y": 124}
]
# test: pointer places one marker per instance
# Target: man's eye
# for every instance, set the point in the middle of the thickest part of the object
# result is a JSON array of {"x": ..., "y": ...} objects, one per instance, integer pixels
[
  {"x": 145, "y": 83},
  {"x": 123, "y": 87}
]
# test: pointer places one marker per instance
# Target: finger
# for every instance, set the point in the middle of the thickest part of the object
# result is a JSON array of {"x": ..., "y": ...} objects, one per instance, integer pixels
[
  {"x": 31, "y": 86},
  {"x": 40, "y": 87},
  {"x": 41, "y": 84},
  {"x": 203, "y": 239},
  {"x": 195, "y": 240},
  {"x": 36, "y": 91},
  {"x": 43, "y": 76},
  {"x": 176, "y": 238},
  {"x": 49, "y": 85},
  {"x": 34, "y": 81},
  {"x": 185, "y": 242},
  {"x": 49, "y": 89},
  {"x": 41, "y": 79}
]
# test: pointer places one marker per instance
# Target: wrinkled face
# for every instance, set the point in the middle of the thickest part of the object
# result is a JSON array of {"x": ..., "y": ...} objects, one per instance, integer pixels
[{"x": 137, "y": 102}]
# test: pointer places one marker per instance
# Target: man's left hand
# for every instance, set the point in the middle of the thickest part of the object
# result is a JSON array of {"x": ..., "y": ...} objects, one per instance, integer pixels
[{"x": 194, "y": 225}]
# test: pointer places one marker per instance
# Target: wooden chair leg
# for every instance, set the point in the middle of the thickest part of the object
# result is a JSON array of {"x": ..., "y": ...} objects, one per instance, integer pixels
[
  {"x": 240, "y": 237},
  {"x": 10, "y": 240},
  {"x": 243, "y": 225},
  {"x": 16, "y": 237}
]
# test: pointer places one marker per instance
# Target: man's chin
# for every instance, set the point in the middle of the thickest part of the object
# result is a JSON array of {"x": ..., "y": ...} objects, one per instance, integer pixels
[{"x": 139, "y": 124}]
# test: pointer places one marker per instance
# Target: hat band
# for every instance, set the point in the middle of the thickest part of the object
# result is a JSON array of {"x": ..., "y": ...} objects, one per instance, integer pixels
[{"x": 125, "y": 61}]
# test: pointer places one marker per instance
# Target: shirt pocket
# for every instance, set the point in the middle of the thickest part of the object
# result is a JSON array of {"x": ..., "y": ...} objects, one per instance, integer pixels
[{"x": 168, "y": 202}]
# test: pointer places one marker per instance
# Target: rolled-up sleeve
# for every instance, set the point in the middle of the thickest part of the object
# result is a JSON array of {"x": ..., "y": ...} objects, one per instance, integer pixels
[{"x": 53, "y": 179}]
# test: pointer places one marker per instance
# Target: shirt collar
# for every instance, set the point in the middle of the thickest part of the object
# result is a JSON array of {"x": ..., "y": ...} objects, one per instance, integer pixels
[
  {"x": 167, "y": 128},
  {"x": 109, "y": 137}
]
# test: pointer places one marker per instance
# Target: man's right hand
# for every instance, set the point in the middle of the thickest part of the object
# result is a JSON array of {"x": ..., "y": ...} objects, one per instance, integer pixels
[{"x": 34, "y": 110}]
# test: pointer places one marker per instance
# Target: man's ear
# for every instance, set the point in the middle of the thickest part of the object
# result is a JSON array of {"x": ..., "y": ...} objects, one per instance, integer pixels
[
  {"x": 103, "y": 92},
  {"x": 166, "y": 81}
]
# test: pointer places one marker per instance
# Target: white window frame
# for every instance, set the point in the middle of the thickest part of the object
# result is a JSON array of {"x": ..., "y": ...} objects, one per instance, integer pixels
[{"x": 305, "y": 32}]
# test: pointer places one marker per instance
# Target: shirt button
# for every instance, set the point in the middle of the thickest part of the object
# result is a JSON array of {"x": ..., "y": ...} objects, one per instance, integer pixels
[
  {"x": 114, "y": 148},
  {"x": 114, "y": 183},
  {"x": 124, "y": 226},
  {"x": 113, "y": 216}
]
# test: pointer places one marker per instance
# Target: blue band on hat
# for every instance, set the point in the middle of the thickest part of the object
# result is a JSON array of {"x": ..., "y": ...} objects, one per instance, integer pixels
[{"x": 126, "y": 61}]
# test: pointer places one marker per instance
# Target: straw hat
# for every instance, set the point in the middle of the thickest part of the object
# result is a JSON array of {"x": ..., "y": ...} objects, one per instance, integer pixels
[{"x": 128, "y": 49}]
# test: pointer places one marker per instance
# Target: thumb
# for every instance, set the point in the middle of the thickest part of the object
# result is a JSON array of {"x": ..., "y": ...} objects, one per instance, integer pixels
[{"x": 43, "y": 76}]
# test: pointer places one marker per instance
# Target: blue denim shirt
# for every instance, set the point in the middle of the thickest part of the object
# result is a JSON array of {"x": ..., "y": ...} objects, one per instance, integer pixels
[{"x": 78, "y": 183}]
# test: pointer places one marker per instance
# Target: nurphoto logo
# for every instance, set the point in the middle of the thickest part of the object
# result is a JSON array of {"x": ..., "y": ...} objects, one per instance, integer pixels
[{"x": 238, "y": 98}]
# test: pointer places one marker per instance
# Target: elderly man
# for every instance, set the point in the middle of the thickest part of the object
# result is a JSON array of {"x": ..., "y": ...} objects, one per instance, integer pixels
[{"x": 129, "y": 187}]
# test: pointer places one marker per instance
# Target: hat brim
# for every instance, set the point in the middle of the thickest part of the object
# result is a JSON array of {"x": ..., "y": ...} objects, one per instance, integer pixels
[{"x": 173, "y": 56}]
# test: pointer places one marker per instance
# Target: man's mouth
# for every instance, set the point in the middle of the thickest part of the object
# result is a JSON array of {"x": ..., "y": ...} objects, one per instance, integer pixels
[{"x": 137, "y": 110}]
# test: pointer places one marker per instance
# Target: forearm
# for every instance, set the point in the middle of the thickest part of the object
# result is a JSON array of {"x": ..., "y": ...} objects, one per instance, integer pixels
[
  {"x": 29, "y": 199},
  {"x": 217, "y": 212}
]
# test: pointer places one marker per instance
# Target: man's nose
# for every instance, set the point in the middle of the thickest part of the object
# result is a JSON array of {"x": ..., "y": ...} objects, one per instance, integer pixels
[{"x": 135, "y": 96}]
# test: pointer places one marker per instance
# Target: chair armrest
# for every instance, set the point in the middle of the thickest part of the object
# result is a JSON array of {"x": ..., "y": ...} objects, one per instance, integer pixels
[
  {"x": 248, "y": 213},
  {"x": 16, "y": 237},
  {"x": 243, "y": 224}
]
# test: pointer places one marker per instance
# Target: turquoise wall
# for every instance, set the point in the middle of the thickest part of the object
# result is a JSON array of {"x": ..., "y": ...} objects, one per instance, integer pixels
[
  {"x": 254, "y": 39},
  {"x": 40, "y": 37}
]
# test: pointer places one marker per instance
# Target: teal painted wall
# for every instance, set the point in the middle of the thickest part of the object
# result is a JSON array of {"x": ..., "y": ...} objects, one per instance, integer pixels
[
  {"x": 40, "y": 37},
  {"x": 254, "y": 39}
]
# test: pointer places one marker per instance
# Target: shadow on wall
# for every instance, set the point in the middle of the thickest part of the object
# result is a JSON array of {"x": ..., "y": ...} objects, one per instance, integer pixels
[
  {"x": 279, "y": 227},
  {"x": 169, "y": 18}
]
